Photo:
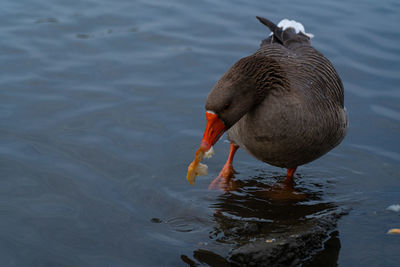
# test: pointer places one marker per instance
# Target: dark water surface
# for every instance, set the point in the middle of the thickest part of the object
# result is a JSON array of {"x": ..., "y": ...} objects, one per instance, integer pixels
[{"x": 102, "y": 108}]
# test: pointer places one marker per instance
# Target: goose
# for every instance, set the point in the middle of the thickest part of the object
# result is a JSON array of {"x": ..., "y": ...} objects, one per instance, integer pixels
[{"x": 284, "y": 105}]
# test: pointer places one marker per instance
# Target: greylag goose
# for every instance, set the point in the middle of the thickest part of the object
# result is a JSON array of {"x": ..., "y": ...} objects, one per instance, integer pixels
[{"x": 283, "y": 105}]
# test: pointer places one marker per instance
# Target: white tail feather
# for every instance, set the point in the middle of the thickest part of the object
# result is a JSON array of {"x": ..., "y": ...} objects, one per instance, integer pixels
[{"x": 297, "y": 26}]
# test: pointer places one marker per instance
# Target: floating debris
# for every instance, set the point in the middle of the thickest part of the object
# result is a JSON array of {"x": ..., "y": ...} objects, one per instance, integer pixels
[
  {"x": 394, "y": 231},
  {"x": 156, "y": 220},
  {"x": 394, "y": 207}
]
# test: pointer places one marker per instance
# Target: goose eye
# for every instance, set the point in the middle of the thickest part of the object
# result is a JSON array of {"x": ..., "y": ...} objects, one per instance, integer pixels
[{"x": 226, "y": 106}]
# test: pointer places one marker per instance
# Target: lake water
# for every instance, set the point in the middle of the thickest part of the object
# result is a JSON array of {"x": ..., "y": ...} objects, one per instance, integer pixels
[{"x": 102, "y": 109}]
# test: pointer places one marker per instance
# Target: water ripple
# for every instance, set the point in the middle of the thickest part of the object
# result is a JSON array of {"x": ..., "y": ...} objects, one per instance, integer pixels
[{"x": 102, "y": 105}]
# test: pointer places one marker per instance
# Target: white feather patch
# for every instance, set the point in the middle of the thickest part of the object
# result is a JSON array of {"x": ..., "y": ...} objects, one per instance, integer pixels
[{"x": 297, "y": 26}]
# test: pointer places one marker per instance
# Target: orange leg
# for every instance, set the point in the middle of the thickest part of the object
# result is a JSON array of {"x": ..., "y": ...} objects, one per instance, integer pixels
[
  {"x": 227, "y": 171},
  {"x": 286, "y": 189},
  {"x": 289, "y": 175}
]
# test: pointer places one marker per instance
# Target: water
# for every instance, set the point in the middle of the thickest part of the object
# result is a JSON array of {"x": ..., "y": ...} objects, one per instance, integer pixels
[{"x": 102, "y": 108}]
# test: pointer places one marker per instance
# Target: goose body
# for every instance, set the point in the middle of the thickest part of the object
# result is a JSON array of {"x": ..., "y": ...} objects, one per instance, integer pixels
[
  {"x": 284, "y": 104},
  {"x": 302, "y": 117}
]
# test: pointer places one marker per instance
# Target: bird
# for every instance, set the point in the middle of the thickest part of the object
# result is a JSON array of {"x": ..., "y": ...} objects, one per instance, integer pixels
[{"x": 284, "y": 105}]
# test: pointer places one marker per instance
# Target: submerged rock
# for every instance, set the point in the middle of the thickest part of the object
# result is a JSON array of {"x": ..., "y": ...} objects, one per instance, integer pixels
[{"x": 292, "y": 248}]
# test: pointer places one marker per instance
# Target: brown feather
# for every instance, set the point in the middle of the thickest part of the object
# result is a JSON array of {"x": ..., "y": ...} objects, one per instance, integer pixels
[{"x": 286, "y": 102}]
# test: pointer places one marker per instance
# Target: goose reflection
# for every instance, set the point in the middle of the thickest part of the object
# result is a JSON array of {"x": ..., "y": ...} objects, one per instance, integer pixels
[
  {"x": 267, "y": 228},
  {"x": 270, "y": 202}
]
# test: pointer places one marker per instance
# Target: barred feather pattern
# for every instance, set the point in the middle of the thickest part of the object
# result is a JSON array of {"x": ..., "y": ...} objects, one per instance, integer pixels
[{"x": 300, "y": 115}]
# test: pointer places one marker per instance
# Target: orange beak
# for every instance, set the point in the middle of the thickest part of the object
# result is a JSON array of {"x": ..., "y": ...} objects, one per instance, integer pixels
[{"x": 214, "y": 129}]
